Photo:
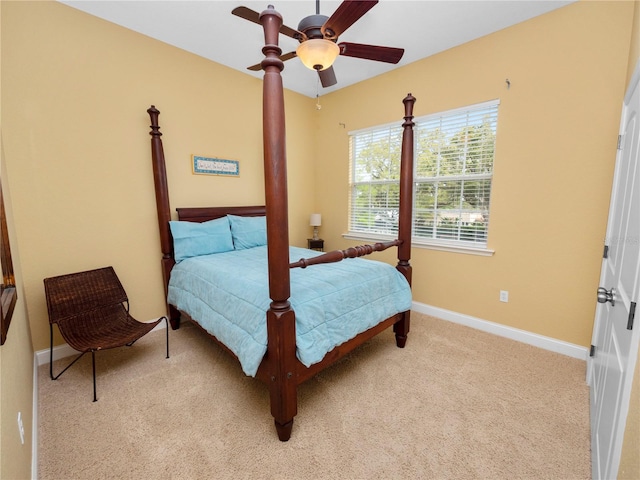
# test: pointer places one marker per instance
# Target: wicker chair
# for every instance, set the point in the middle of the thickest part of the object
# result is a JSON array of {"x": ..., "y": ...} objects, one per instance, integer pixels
[{"x": 89, "y": 309}]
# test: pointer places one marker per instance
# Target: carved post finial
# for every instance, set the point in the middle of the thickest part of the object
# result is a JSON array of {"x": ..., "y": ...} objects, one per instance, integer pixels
[
  {"x": 408, "y": 101},
  {"x": 153, "y": 115},
  {"x": 271, "y": 22}
]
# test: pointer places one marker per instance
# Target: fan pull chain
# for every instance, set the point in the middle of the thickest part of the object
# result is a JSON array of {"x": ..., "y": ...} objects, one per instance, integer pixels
[{"x": 318, "y": 106}]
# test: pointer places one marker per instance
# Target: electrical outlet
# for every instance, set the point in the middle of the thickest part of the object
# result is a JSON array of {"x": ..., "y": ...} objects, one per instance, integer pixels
[
  {"x": 504, "y": 296},
  {"x": 21, "y": 427}
]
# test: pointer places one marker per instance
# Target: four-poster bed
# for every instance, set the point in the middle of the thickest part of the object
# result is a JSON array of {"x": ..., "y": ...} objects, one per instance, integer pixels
[{"x": 282, "y": 366}]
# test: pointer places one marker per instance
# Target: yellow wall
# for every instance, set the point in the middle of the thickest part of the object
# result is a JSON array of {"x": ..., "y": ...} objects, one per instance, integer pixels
[
  {"x": 555, "y": 152},
  {"x": 76, "y": 91},
  {"x": 630, "y": 458},
  {"x": 16, "y": 369},
  {"x": 16, "y": 358}
]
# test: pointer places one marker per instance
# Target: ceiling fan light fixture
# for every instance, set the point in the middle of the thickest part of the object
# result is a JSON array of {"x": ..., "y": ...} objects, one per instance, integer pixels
[{"x": 318, "y": 54}]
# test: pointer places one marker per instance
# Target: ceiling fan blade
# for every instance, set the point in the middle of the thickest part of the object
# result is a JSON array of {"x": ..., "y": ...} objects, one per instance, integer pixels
[
  {"x": 287, "y": 56},
  {"x": 371, "y": 52},
  {"x": 348, "y": 13},
  {"x": 327, "y": 77},
  {"x": 253, "y": 16},
  {"x": 247, "y": 14}
]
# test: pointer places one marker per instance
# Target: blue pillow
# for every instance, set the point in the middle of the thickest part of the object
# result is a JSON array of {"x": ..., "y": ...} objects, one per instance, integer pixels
[
  {"x": 248, "y": 232},
  {"x": 192, "y": 239}
]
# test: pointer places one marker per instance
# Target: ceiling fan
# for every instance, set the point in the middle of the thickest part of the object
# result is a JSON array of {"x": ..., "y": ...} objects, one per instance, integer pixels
[{"x": 318, "y": 37}]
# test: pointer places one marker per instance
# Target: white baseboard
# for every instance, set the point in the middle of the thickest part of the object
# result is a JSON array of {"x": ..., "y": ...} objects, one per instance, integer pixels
[
  {"x": 60, "y": 351},
  {"x": 540, "y": 341}
]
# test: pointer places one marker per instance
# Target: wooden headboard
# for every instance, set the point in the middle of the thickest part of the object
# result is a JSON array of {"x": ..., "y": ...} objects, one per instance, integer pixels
[{"x": 204, "y": 214}]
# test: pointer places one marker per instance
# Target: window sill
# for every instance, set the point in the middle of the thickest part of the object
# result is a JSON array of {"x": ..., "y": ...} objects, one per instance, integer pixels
[{"x": 467, "y": 249}]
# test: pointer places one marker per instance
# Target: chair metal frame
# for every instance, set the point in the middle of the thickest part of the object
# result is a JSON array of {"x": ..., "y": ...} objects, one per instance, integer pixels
[{"x": 92, "y": 298}]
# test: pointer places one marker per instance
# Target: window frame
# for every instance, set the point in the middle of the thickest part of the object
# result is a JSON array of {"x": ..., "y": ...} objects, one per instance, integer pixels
[{"x": 434, "y": 243}]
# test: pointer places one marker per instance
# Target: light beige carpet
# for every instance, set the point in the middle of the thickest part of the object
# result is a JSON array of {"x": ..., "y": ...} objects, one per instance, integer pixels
[{"x": 456, "y": 403}]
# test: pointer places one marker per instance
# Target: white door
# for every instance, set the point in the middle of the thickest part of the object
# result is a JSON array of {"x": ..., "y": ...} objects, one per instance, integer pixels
[{"x": 615, "y": 334}]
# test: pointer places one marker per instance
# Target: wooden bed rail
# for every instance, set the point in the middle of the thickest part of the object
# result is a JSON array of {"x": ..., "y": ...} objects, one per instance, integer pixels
[{"x": 339, "y": 255}]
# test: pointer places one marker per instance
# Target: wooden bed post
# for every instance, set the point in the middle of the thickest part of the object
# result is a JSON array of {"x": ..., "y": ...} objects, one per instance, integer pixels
[
  {"x": 162, "y": 206},
  {"x": 401, "y": 328},
  {"x": 281, "y": 347}
]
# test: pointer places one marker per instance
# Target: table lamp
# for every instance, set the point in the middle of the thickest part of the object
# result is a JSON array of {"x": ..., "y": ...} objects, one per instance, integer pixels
[{"x": 315, "y": 221}]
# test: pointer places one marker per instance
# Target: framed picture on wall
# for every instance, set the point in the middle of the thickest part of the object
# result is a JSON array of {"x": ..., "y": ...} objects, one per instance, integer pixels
[{"x": 215, "y": 166}]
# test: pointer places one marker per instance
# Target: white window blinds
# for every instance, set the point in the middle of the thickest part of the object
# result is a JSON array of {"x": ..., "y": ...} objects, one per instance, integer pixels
[{"x": 453, "y": 163}]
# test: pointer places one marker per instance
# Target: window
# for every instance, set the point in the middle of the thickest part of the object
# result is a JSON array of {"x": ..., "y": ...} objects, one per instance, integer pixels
[
  {"x": 453, "y": 170},
  {"x": 8, "y": 287}
]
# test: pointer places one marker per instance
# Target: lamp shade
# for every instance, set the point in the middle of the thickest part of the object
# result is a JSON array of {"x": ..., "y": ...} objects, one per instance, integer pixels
[
  {"x": 315, "y": 220},
  {"x": 317, "y": 53}
]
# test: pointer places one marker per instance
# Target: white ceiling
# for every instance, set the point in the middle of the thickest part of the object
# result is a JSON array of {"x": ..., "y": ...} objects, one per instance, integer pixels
[{"x": 421, "y": 27}]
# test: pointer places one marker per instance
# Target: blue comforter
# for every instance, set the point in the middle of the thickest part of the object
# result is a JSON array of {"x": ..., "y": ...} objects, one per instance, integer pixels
[{"x": 228, "y": 294}]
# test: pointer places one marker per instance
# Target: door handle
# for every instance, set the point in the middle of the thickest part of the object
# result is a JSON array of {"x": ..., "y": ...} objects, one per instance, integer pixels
[{"x": 605, "y": 296}]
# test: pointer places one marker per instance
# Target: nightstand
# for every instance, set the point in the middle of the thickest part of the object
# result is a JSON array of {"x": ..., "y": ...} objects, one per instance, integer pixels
[{"x": 315, "y": 244}]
